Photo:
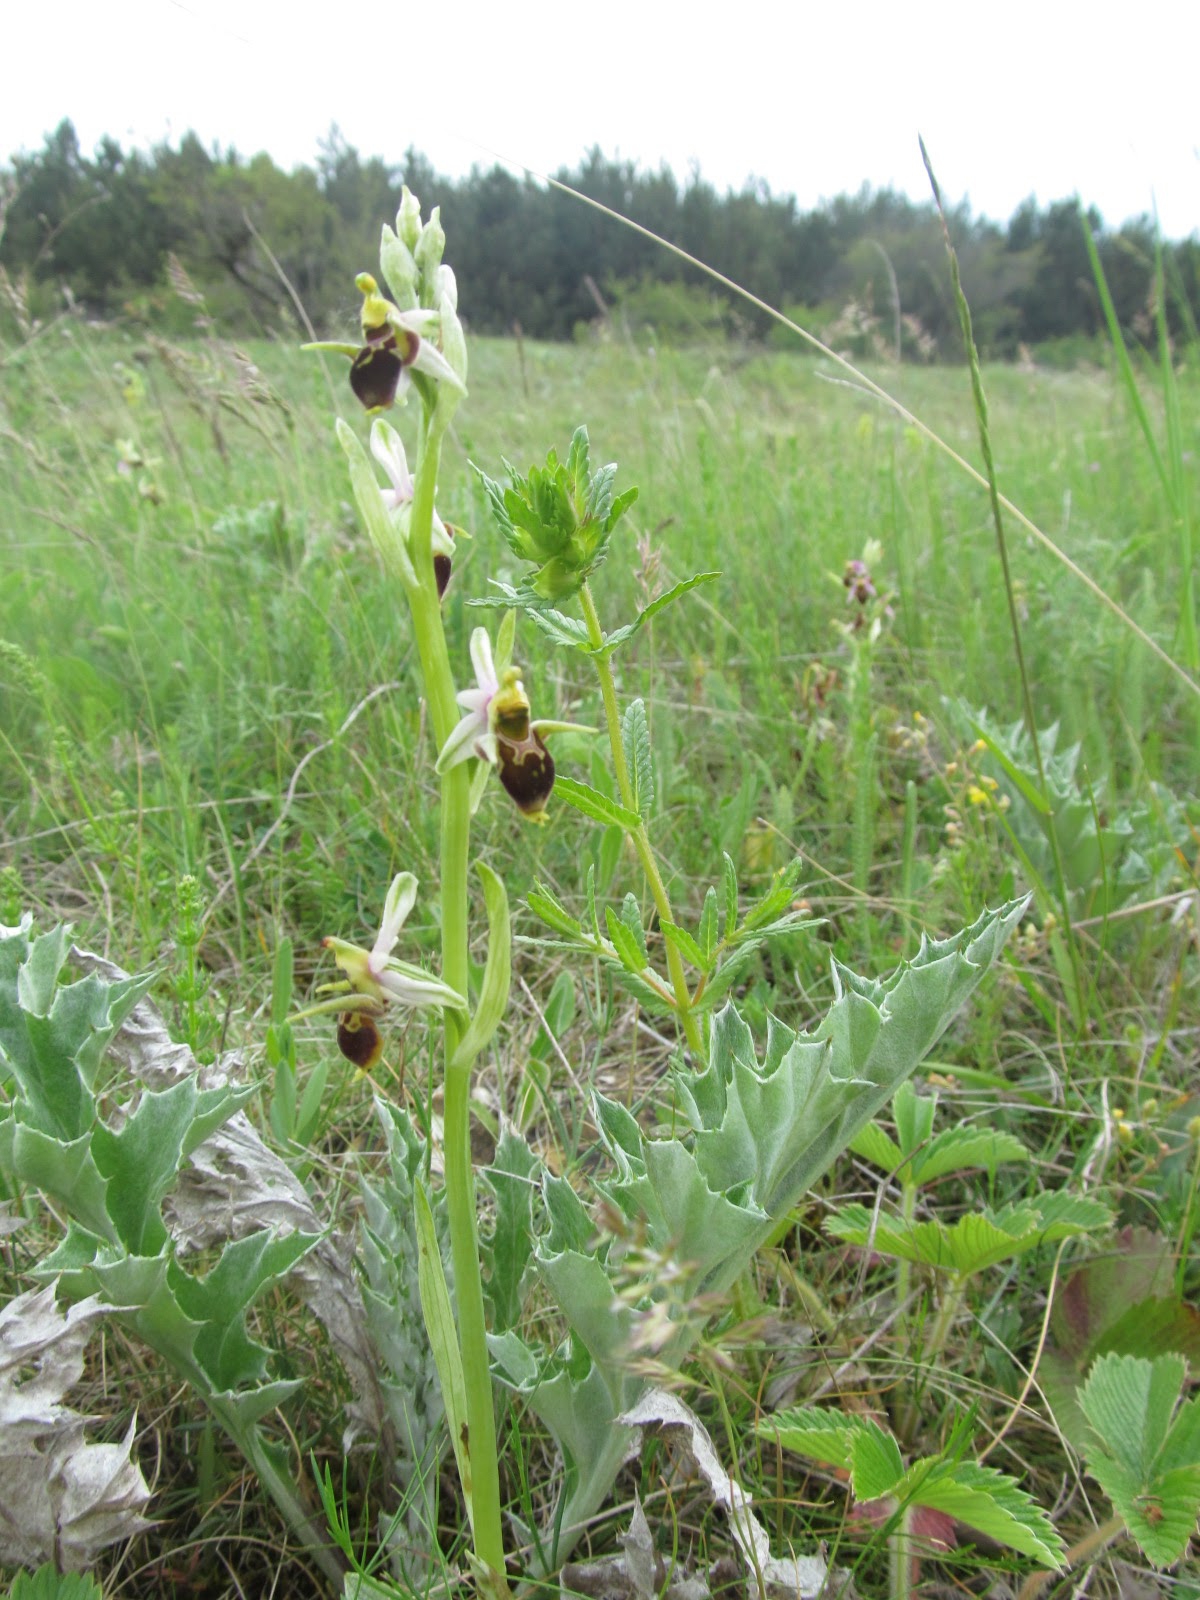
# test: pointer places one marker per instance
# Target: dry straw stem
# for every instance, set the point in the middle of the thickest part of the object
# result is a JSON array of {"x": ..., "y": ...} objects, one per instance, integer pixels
[{"x": 861, "y": 381}]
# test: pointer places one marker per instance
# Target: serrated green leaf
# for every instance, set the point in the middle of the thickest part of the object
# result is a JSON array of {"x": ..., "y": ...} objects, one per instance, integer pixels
[
  {"x": 707, "y": 938},
  {"x": 1160, "y": 1516},
  {"x": 627, "y": 947},
  {"x": 621, "y": 636},
  {"x": 686, "y": 945},
  {"x": 988, "y": 1501},
  {"x": 961, "y": 1148},
  {"x": 872, "y": 1144},
  {"x": 635, "y": 737},
  {"x": 493, "y": 993},
  {"x": 631, "y": 916},
  {"x": 47, "y": 1583},
  {"x": 1129, "y": 1402},
  {"x": 544, "y": 905},
  {"x": 979, "y": 1240},
  {"x": 875, "y": 1463},
  {"x": 218, "y": 1302},
  {"x": 729, "y": 921},
  {"x": 140, "y": 1160},
  {"x": 596, "y": 805},
  {"x": 913, "y": 1115},
  {"x": 815, "y": 1431},
  {"x": 777, "y": 898}
]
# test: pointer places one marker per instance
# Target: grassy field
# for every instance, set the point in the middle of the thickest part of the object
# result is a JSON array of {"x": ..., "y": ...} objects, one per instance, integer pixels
[{"x": 204, "y": 676}]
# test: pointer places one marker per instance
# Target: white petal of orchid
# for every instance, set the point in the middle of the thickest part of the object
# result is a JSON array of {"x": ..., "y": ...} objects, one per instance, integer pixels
[
  {"x": 465, "y": 740},
  {"x": 401, "y": 898},
  {"x": 481, "y": 660},
  {"x": 412, "y": 986},
  {"x": 388, "y": 449}
]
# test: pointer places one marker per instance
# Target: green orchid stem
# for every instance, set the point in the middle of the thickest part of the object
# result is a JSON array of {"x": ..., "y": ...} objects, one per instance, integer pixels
[
  {"x": 459, "y": 1173},
  {"x": 641, "y": 839}
]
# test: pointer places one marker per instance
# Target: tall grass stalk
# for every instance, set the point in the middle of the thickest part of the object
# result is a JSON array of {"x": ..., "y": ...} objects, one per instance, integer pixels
[{"x": 985, "y": 443}]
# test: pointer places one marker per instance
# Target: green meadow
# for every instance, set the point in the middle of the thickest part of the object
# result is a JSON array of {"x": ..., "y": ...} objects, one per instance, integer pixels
[{"x": 212, "y": 740}]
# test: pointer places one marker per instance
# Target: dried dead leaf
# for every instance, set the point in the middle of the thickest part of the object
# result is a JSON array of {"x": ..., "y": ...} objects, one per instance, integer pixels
[{"x": 61, "y": 1498}]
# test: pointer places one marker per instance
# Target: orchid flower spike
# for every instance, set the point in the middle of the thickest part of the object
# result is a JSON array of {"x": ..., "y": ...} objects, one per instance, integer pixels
[{"x": 497, "y": 729}]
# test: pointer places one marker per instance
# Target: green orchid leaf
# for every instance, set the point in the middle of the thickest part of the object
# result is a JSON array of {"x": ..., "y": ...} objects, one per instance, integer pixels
[
  {"x": 493, "y": 993},
  {"x": 596, "y": 805},
  {"x": 443, "y": 1338},
  {"x": 384, "y": 533}
]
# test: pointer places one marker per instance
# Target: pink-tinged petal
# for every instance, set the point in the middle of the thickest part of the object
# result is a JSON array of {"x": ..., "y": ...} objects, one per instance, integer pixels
[
  {"x": 401, "y": 898},
  {"x": 412, "y": 986},
  {"x": 460, "y": 746},
  {"x": 481, "y": 660},
  {"x": 429, "y": 360},
  {"x": 474, "y": 700},
  {"x": 388, "y": 449}
]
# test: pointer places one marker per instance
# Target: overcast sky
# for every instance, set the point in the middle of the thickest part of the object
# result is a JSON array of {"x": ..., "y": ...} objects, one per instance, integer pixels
[{"x": 1014, "y": 98}]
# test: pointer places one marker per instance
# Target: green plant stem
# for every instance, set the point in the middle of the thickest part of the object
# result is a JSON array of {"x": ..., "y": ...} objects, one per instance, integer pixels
[
  {"x": 641, "y": 839},
  {"x": 459, "y": 1173},
  {"x": 994, "y": 500},
  {"x": 900, "y": 1556}
]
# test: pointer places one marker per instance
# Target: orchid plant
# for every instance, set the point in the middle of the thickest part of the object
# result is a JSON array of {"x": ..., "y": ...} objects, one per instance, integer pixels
[{"x": 785, "y": 1118}]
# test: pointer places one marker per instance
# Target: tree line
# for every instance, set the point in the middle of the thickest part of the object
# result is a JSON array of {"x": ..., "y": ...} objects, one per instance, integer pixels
[{"x": 869, "y": 269}]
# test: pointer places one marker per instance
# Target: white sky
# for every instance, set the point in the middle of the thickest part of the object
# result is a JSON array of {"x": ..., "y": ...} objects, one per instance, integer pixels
[{"x": 1014, "y": 98}]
